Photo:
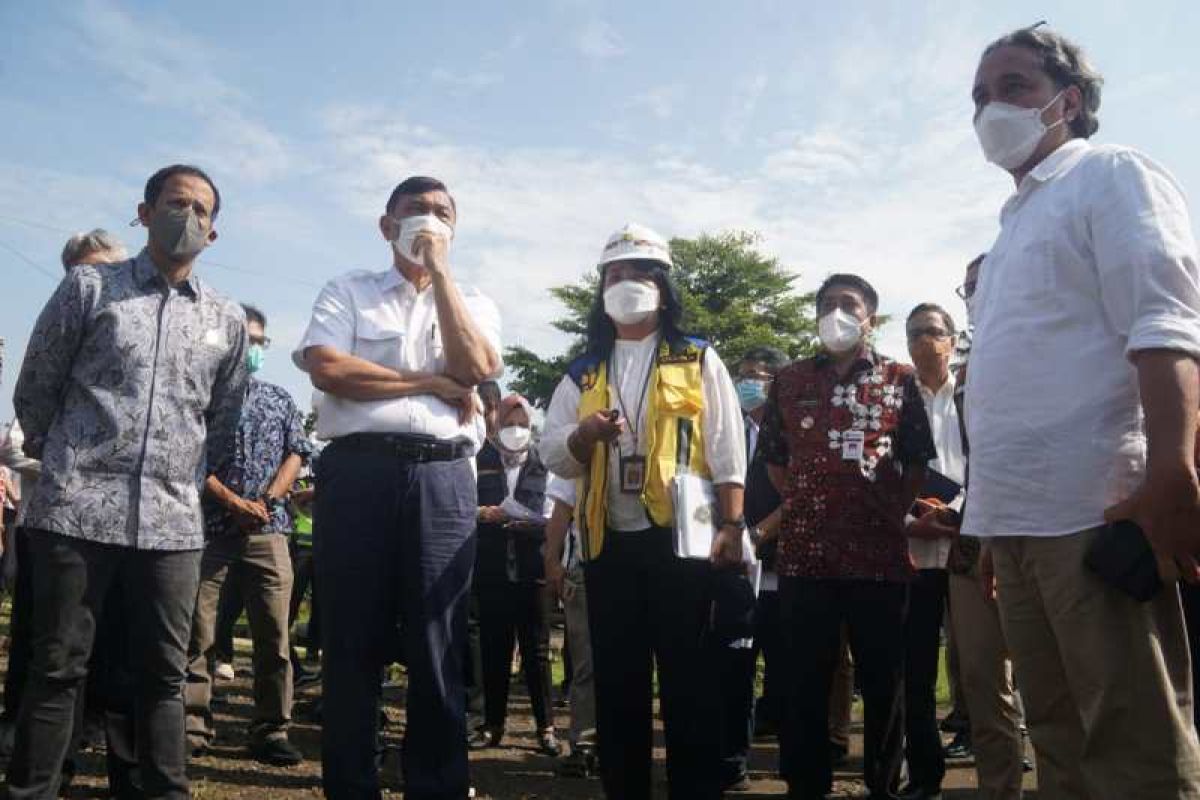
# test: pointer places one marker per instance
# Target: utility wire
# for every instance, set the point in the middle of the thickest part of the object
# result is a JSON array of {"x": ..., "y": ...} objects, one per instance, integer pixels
[{"x": 30, "y": 261}]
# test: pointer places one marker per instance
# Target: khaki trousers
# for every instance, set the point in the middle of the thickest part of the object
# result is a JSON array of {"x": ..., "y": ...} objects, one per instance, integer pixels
[
  {"x": 986, "y": 678},
  {"x": 263, "y": 566},
  {"x": 1106, "y": 680}
]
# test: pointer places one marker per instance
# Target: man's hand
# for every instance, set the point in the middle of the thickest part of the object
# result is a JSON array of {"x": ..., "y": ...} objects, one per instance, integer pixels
[
  {"x": 1167, "y": 509},
  {"x": 987, "y": 573},
  {"x": 456, "y": 394},
  {"x": 555, "y": 575},
  {"x": 727, "y": 548},
  {"x": 250, "y": 515},
  {"x": 933, "y": 524},
  {"x": 493, "y": 515},
  {"x": 433, "y": 249}
]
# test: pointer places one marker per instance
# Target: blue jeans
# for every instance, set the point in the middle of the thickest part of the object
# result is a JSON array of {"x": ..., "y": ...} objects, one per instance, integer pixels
[
  {"x": 71, "y": 579},
  {"x": 394, "y": 546}
]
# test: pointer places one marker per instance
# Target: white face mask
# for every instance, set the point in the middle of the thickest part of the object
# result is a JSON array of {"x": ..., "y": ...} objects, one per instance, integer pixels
[
  {"x": 839, "y": 331},
  {"x": 515, "y": 438},
  {"x": 631, "y": 302},
  {"x": 411, "y": 226},
  {"x": 1010, "y": 134}
]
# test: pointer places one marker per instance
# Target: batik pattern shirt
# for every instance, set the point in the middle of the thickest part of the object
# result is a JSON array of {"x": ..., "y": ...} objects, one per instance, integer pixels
[
  {"x": 130, "y": 391},
  {"x": 843, "y": 517},
  {"x": 271, "y": 429}
]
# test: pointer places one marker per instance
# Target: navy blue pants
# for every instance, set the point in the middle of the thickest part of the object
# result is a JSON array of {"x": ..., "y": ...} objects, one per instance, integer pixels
[{"x": 394, "y": 546}]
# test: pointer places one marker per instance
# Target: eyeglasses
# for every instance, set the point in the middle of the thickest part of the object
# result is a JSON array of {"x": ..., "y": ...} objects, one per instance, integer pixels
[{"x": 936, "y": 333}]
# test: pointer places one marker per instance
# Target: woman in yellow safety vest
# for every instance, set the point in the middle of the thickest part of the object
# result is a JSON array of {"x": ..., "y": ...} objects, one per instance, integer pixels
[{"x": 643, "y": 403}]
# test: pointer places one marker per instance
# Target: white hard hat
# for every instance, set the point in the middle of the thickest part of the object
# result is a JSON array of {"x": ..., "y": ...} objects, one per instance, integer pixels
[{"x": 635, "y": 241}]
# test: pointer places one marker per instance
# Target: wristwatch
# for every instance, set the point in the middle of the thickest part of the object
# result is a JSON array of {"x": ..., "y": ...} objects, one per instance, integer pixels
[
  {"x": 273, "y": 503},
  {"x": 736, "y": 522}
]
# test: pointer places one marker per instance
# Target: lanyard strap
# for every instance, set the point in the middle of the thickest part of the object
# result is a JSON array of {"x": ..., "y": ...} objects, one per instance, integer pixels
[{"x": 612, "y": 376}]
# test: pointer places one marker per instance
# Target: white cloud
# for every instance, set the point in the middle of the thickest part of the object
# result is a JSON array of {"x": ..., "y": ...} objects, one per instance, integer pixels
[
  {"x": 659, "y": 102},
  {"x": 599, "y": 41},
  {"x": 745, "y": 103}
]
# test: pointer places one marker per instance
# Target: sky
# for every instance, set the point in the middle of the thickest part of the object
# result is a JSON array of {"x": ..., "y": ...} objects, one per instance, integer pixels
[{"x": 839, "y": 132}]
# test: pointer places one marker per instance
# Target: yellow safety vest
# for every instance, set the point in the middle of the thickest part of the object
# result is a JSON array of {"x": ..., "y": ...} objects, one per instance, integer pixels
[{"x": 674, "y": 422}]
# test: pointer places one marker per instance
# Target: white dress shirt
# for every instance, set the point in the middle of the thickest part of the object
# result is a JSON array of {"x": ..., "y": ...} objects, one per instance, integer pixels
[
  {"x": 950, "y": 461},
  {"x": 1095, "y": 260},
  {"x": 382, "y": 318},
  {"x": 724, "y": 438},
  {"x": 563, "y": 491}
]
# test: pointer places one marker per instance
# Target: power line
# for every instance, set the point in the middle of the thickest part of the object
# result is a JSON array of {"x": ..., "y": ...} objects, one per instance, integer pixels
[
  {"x": 30, "y": 261},
  {"x": 207, "y": 261}
]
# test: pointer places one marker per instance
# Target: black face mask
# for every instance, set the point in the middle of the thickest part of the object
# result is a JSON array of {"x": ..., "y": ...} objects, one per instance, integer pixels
[{"x": 178, "y": 232}]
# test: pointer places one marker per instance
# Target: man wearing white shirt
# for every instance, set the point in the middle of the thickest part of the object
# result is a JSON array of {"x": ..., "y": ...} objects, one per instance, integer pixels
[
  {"x": 1081, "y": 402},
  {"x": 931, "y": 337},
  {"x": 395, "y": 356}
]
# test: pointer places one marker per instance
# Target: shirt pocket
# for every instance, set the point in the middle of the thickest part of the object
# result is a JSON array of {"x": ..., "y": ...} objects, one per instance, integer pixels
[{"x": 380, "y": 341}]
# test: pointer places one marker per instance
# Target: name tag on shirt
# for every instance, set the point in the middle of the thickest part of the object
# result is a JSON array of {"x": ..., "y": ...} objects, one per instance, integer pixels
[{"x": 852, "y": 445}]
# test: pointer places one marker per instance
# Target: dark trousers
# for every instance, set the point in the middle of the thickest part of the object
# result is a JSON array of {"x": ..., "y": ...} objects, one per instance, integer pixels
[
  {"x": 646, "y": 606},
  {"x": 20, "y": 631},
  {"x": 303, "y": 580},
  {"x": 1190, "y": 595},
  {"x": 768, "y": 636},
  {"x": 812, "y": 613},
  {"x": 394, "y": 545},
  {"x": 923, "y": 640},
  {"x": 71, "y": 579},
  {"x": 514, "y": 613},
  {"x": 473, "y": 668},
  {"x": 736, "y": 686},
  {"x": 229, "y": 610}
]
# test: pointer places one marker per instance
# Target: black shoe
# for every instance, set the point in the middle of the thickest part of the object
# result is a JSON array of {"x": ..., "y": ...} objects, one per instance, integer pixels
[
  {"x": 959, "y": 747},
  {"x": 197, "y": 746},
  {"x": 955, "y": 723},
  {"x": 305, "y": 679},
  {"x": 738, "y": 785},
  {"x": 1026, "y": 765},
  {"x": 911, "y": 792},
  {"x": 838, "y": 753},
  {"x": 548, "y": 744},
  {"x": 276, "y": 751},
  {"x": 579, "y": 763},
  {"x": 484, "y": 738}
]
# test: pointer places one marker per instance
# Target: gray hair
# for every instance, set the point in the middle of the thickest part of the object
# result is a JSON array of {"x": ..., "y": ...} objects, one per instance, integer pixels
[
  {"x": 82, "y": 245},
  {"x": 1067, "y": 65}
]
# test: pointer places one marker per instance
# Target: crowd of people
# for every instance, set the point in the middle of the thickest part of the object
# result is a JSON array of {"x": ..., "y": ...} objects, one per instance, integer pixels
[{"x": 1028, "y": 492}]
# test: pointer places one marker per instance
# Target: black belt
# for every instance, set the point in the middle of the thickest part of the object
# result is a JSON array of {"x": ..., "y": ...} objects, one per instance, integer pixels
[{"x": 408, "y": 446}]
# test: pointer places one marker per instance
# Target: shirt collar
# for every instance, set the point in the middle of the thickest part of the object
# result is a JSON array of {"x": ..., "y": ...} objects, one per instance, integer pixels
[
  {"x": 146, "y": 274},
  {"x": 869, "y": 358},
  {"x": 947, "y": 387},
  {"x": 1059, "y": 162},
  {"x": 391, "y": 279}
]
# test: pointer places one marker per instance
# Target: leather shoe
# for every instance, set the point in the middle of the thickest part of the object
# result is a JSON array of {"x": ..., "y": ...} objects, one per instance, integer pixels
[{"x": 911, "y": 792}]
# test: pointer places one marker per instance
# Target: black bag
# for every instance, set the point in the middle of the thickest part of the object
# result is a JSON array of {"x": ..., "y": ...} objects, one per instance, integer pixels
[{"x": 1120, "y": 555}]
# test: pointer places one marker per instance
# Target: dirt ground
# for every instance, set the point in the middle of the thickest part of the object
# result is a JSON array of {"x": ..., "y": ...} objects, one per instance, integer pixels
[{"x": 513, "y": 772}]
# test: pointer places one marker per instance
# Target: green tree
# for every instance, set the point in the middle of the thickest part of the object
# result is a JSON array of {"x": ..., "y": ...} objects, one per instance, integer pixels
[{"x": 733, "y": 295}]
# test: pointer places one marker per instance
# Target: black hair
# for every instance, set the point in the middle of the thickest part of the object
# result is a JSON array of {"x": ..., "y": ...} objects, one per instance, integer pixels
[
  {"x": 774, "y": 358},
  {"x": 933, "y": 308},
  {"x": 158, "y": 180},
  {"x": 854, "y": 282},
  {"x": 1067, "y": 65},
  {"x": 253, "y": 314},
  {"x": 418, "y": 184},
  {"x": 602, "y": 333}
]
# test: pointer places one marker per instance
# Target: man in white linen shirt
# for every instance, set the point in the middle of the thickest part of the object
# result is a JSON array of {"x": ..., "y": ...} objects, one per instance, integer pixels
[
  {"x": 1080, "y": 406},
  {"x": 395, "y": 356}
]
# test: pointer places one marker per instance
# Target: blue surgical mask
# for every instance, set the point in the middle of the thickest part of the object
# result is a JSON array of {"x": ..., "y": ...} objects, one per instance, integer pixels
[
  {"x": 752, "y": 393},
  {"x": 255, "y": 356}
]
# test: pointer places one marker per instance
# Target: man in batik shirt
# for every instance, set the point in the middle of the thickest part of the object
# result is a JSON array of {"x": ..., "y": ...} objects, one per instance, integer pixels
[{"x": 847, "y": 440}]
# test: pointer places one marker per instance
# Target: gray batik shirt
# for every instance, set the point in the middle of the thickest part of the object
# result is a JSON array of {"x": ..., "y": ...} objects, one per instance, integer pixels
[{"x": 125, "y": 381}]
